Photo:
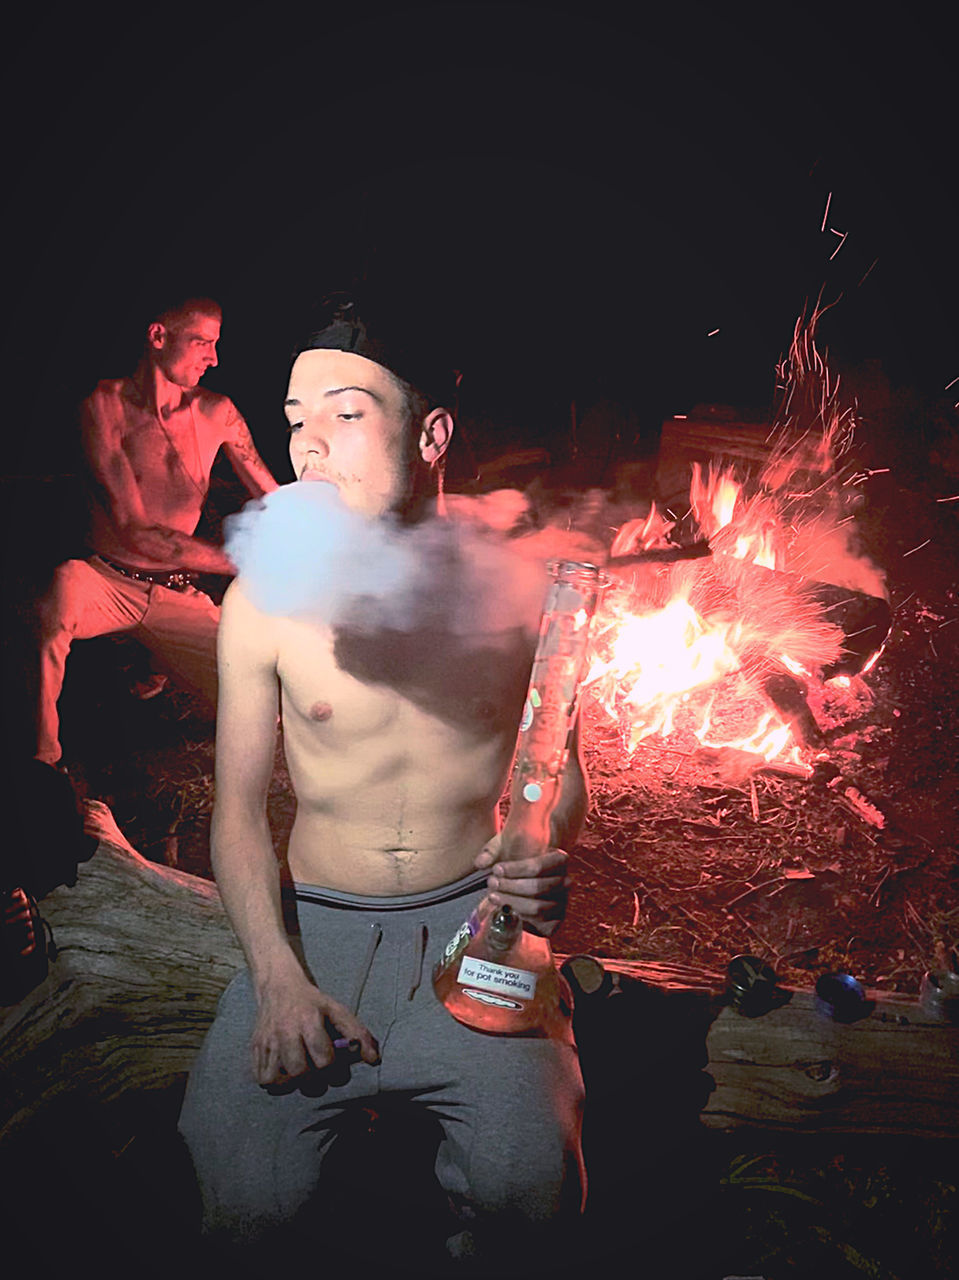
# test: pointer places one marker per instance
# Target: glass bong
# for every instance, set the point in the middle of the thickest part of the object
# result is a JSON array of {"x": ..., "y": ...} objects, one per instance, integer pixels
[{"x": 496, "y": 974}]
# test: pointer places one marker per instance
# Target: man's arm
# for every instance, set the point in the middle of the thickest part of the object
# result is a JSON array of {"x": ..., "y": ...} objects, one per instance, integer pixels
[
  {"x": 246, "y": 462},
  {"x": 291, "y": 1032},
  {"x": 118, "y": 492}
]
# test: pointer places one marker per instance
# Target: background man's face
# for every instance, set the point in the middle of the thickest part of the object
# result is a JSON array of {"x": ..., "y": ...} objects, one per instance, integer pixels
[
  {"x": 188, "y": 349},
  {"x": 349, "y": 428}
]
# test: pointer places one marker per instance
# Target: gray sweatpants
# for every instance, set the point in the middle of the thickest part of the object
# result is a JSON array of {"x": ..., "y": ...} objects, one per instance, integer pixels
[{"x": 509, "y": 1108}]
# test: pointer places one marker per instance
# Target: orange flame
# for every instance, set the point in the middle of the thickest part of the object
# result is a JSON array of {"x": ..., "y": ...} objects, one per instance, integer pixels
[{"x": 657, "y": 642}]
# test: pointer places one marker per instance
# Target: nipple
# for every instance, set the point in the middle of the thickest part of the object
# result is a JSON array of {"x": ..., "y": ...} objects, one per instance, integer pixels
[{"x": 320, "y": 711}]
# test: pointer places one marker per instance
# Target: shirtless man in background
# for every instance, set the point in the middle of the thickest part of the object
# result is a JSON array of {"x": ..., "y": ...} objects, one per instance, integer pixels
[
  {"x": 149, "y": 443},
  {"x": 398, "y": 747}
]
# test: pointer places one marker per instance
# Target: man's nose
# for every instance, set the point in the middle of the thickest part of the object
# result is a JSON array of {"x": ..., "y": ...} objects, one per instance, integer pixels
[
  {"x": 310, "y": 443},
  {"x": 317, "y": 448},
  {"x": 212, "y": 361}
]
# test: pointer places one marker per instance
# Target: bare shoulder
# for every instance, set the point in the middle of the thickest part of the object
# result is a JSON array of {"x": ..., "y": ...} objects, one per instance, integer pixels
[
  {"x": 105, "y": 401},
  {"x": 245, "y": 632},
  {"x": 103, "y": 419},
  {"x": 217, "y": 408},
  {"x": 110, "y": 388}
]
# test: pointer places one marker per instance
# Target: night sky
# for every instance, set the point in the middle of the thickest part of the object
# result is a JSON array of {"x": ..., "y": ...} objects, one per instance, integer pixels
[{"x": 579, "y": 194}]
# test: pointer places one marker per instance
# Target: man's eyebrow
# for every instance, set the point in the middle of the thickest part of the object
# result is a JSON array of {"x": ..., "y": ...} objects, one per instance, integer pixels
[{"x": 335, "y": 391}]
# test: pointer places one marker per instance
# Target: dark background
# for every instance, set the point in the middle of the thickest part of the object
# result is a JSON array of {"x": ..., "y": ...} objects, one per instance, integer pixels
[{"x": 579, "y": 194}]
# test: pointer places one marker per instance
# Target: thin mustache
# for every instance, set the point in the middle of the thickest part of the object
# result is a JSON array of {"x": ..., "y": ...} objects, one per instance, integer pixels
[{"x": 330, "y": 477}]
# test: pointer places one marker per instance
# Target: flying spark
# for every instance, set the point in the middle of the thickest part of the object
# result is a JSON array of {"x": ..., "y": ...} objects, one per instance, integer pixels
[
  {"x": 841, "y": 242},
  {"x": 919, "y": 548},
  {"x": 872, "y": 264},
  {"x": 826, "y": 212}
]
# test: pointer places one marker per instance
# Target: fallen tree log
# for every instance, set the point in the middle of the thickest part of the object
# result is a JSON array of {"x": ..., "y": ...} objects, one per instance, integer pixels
[
  {"x": 145, "y": 951},
  {"x": 894, "y": 1071}
]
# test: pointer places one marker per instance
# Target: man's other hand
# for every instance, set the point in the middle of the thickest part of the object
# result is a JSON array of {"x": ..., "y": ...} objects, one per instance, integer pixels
[
  {"x": 536, "y": 887},
  {"x": 291, "y": 1036}
]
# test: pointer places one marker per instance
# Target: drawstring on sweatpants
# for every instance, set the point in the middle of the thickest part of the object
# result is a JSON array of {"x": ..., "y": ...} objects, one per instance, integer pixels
[
  {"x": 376, "y": 933},
  {"x": 419, "y": 953}
]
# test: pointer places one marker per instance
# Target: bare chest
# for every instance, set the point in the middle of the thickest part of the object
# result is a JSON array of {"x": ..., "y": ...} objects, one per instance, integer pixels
[
  {"x": 175, "y": 455},
  {"x": 355, "y": 683}
]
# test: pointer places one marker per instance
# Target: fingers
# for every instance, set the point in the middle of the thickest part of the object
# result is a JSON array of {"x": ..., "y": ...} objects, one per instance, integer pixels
[
  {"x": 536, "y": 888},
  {"x": 549, "y": 905},
  {"x": 488, "y": 854},
  {"x": 544, "y": 876},
  {"x": 278, "y": 1058},
  {"x": 550, "y": 863},
  {"x": 308, "y": 1040},
  {"x": 349, "y": 1028}
]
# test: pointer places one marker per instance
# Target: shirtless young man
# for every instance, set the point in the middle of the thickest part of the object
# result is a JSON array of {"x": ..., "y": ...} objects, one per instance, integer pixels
[
  {"x": 149, "y": 443},
  {"x": 398, "y": 747}
]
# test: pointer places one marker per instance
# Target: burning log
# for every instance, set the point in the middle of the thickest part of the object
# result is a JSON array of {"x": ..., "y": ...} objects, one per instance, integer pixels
[
  {"x": 864, "y": 620},
  {"x": 734, "y": 765},
  {"x": 660, "y": 555},
  {"x": 859, "y": 621},
  {"x": 788, "y": 696}
]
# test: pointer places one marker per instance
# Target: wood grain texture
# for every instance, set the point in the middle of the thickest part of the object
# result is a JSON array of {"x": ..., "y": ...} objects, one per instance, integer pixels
[
  {"x": 143, "y": 954},
  {"x": 894, "y": 1071}
]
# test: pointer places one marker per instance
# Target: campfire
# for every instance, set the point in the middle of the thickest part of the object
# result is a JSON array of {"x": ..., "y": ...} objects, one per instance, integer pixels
[{"x": 722, "y": 617}]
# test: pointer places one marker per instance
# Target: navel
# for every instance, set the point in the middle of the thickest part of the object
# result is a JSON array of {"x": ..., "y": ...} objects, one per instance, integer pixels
[{"x": 320, "y": 711}]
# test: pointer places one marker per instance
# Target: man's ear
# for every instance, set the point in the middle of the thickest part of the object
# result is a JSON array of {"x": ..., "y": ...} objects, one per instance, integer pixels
[
  {"x": 436, "y": 435},
  {"x": 156, "y": 335}
]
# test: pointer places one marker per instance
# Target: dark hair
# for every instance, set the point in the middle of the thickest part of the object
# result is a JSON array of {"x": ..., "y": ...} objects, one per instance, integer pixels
[{"x": 177, "y": 310}]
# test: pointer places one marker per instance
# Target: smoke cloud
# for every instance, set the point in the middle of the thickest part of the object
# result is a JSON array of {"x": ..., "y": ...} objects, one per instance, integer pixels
[{"x": 302, "y": 553}]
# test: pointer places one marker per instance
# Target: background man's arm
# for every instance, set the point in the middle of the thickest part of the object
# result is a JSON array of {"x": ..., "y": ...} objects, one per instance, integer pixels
[
  {"x": 291, "y": 1032},
  {"x": 118, "y": 492},
  {"x": 246, "y": 462}
]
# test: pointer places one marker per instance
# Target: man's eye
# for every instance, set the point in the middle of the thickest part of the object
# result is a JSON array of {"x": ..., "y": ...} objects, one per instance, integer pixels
[
  {"x": 350, "y": 417},
  {"x": 294, "y": 426}
]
